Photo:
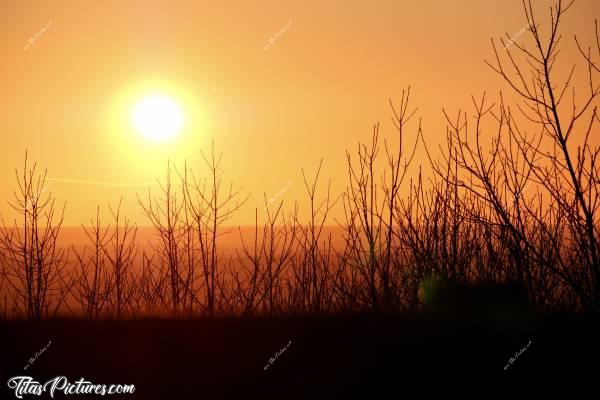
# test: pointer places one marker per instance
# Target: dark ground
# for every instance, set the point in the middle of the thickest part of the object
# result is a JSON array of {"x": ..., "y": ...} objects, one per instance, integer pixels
[{"x": 225, "y": 358}]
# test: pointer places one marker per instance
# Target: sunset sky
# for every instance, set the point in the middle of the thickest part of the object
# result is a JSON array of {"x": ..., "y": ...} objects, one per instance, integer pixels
[{"x": 271, "y": 107}]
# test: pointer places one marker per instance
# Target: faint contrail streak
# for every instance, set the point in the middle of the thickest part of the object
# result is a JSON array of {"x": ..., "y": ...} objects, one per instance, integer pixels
[{"x": 104, "y": 183}]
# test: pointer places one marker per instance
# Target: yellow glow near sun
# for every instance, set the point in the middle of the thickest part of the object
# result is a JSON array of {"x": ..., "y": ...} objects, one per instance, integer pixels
[{"x": 157, "y": 118}]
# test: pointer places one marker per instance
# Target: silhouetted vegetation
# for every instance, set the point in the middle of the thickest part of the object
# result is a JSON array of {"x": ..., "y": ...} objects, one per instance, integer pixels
[{"x": 508, "y": 218}]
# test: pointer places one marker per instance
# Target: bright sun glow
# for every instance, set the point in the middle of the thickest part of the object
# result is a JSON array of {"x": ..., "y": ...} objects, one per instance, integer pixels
[{"x": 157, "y": 118}]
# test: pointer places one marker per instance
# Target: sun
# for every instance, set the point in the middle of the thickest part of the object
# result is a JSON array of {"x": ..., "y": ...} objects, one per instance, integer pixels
[{"x": 157, "y": 118}]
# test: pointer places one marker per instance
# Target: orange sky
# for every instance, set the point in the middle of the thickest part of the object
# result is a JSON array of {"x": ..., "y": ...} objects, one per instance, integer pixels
[{"x": 315, "y": 92}]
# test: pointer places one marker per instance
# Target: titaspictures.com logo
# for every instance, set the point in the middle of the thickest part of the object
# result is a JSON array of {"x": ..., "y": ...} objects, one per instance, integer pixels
[{"x": 25, "y": 385}]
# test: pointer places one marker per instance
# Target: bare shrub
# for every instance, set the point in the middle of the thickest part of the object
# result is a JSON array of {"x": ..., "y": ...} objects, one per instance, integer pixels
[{"x": 34, "y": 264}]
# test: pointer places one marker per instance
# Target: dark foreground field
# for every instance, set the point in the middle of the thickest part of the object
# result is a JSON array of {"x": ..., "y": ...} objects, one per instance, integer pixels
[{"x": 225, "y": 358}]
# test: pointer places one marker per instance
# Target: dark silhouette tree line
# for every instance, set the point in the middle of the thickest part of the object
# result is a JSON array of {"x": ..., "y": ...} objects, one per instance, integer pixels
[{"x": 511, "y": 200}]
